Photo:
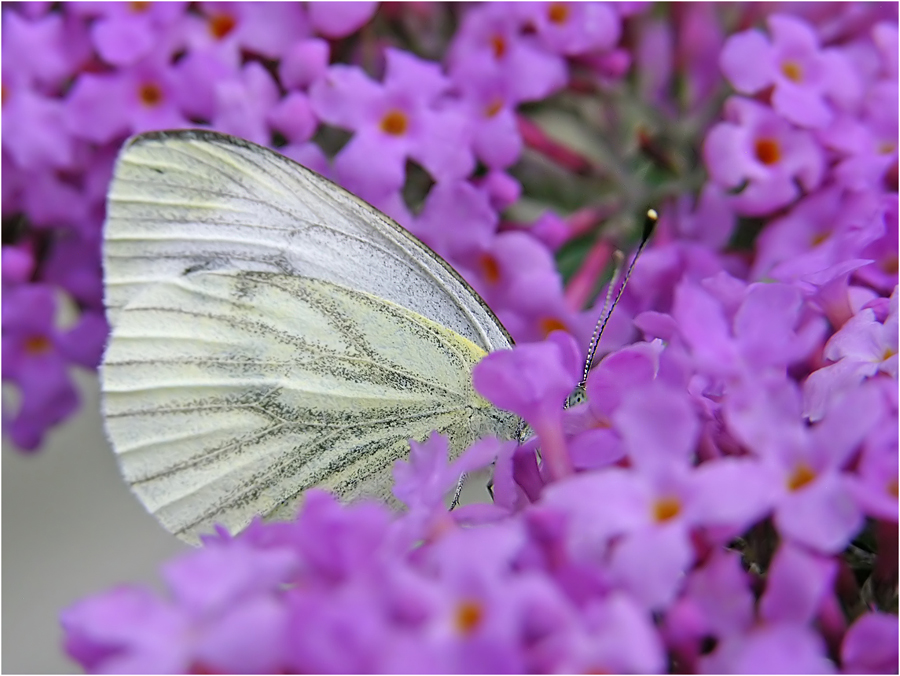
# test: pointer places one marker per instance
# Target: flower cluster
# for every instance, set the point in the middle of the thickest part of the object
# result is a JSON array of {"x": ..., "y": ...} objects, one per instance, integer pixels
[{"x": 726, "y": 498}]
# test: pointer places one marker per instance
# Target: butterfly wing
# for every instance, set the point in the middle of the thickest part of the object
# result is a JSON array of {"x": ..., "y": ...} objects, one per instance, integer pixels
[
  {"x": 271, "y": 332},
  {"x": 227, "y": 394},
  {"x": 198, "y": 200}
]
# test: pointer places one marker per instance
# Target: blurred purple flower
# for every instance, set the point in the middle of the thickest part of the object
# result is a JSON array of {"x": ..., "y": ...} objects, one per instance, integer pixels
[
  {"x": 573, "y": 27},
  {"x": 829, "y": 227},
  {"x": 34, "y": 126},
  {"x": 244, "y": 102},
  {"x": 142, "y": 97},
  {"x": 339, "y": 19},
  {"x": 815, "y": 503},
  {"x": 124, "y": 33},
  {"x": 806, "y": 78},
  {"x": 758, "y": 148},
  {"x": 456, "y": 221},
  {"x": 862, "y": 348},
  {"x": 36, "y": 355},
  {"x": 304, "y": 62},
  {"x": 42, "y": 51},
  {"x": 796, "y": 583},
  {"x": 870, "y": 645},
  {"x": 491, "y": 45},
  {"x": 782, "y": 648},
  {"x": 228, "y": 28}
]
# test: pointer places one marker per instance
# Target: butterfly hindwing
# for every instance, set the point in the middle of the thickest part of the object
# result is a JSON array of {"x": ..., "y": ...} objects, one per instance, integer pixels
[{"x": 227, "y": 394}]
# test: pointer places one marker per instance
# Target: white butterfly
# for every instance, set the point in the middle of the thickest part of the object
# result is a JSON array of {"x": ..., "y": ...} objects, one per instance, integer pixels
[{"x": 271, "y": 332}]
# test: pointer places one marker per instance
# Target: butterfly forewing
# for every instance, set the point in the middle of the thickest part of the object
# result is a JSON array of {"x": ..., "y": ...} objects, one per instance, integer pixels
[
  {"x": 227, "y": 394},
  {"x": 197, "y": 200}
]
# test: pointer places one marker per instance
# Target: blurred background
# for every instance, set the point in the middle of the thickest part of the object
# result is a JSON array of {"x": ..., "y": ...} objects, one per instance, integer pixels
[{"x": 70, "y": 528}]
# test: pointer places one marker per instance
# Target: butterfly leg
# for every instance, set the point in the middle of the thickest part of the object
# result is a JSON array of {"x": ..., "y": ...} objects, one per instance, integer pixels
[{"x": 459, "y": 487}]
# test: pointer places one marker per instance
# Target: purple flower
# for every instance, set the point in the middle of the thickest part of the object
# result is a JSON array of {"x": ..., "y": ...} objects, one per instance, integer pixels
[
  {"x": 422, "y": 482},
  {"x": 771, "y": 649},
  {"x": 143, "y": 97},
  {"x": 883, "y": 252},
  {"x": 815, "y": 506},
  {"x": 225, "y": 616},
  {"x": 393, "y": 121},
  {"x": 244, "y": 102},
  {"x": 533, "y": 382},
  {"x": 35, "y": 358},
  {"x": 125, "y": 33},
  {"x": 44, "y": 51},
  {"x": 796, "y": 584},
  {"x": 716, "y": 602},
  {"x": 227, "y": 28},
  {"x": 868, "y": 141},
  {"x": 456, "y": 221},
  {"x": 35, "y": 131},
  {"x": 870, "y": 645},
  {"x": 805, "y": 78},
  {"x": 616, "y": 636},
  {"x": 757, "y": 147},
  {"x": 761, "y": 332},
  {"x": 490, "y": 45},
  {"x": 827, "y": 228},
  {"x": 18, "y": 264},
  {"x": 488, "y": 103},
  {"x": 573, "y": 27},
  {"x": 517, "y": 277},
  {"x": 339, "y": 19},
  {"x": 875, "y": 485},
  {"x": 598, "y": 443},
  {"x": 861, "y": 349},
  {"x": 654, "y": 506},
  {"x": 126, "y": 630},
  {"x": 303, "y": 63}
]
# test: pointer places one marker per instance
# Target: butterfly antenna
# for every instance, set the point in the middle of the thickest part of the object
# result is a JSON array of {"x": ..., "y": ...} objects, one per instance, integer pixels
[
  {"x": 619, "y": 260},
  {"x": 649, "y": 223}
]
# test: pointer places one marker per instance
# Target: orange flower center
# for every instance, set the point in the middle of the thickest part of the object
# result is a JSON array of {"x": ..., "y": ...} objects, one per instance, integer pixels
[
  {"x": 138, "y": 7},
  {"x": 890, "y": 265},
  {"x": 150, "y": 94},
  {"x": 666, "y": 508},
  {"x": 892, "y": 488},
  {"x": 394, "y": 123},
  {"x": 221, "y": 25},
  {"x": 802, "y": 475},
  {"x": 498, "y": 43},
  {"x": 792, "y": 71},
  {"x": 37, "y": 345},
  {"x": 819, "y": 238},
  {"x": 767, "y": 151},
  {"x": 468, "y": 616},
  {"x": 558, "y": 13},
  {"x": 550, "y": 324},
  {"x": 494, "y": 107},
  {"x": 490, "y": 268}
]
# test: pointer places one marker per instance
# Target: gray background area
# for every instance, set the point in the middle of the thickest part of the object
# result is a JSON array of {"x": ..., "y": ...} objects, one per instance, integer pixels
[{"x": 71, "y": 528}]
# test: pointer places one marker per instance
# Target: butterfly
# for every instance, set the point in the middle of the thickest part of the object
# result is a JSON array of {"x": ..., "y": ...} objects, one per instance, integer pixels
[{"x": 271, "y": 332}]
